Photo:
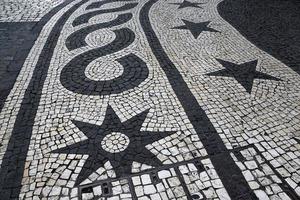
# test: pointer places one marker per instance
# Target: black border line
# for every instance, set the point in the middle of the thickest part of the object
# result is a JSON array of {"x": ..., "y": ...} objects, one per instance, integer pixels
[
  {"x": 13, "y": 163},
  {"x": 21, "y": 54},
  {"x": 229, "y": 173}
]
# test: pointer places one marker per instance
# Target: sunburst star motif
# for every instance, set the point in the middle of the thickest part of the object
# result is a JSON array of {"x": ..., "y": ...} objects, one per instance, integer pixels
[{"x": 118, "y": 142}]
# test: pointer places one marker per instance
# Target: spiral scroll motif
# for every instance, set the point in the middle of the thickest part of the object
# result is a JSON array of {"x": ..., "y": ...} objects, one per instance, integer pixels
[{"x": 135, "y": 70}]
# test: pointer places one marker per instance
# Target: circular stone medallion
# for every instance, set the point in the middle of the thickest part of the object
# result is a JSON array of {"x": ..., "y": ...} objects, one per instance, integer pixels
[{"x": 115, "y": 142}]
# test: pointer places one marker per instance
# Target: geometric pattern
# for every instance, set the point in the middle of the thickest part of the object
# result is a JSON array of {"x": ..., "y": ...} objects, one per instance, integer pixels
[
  {"x": 174, "y": 132},
  {"x": 133, "y": 147},
  {"x": 186, "y": 4},
  {"x": 196, "y": 28},
  {"x": 244, "y": 73}
]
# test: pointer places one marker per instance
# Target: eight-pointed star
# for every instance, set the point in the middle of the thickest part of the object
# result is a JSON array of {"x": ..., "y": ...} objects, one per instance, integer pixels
[
  {"x": 121, "y": 161},
  {"x": 244, "y": 73},
  {"x": 185, "y": 4},
  {"x": 196, "y": 28}
]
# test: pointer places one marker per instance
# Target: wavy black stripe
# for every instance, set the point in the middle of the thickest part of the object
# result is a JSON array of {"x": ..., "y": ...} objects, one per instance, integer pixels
[
  {"x": 135, "y": 70},
  {"x": 84, "y": 18},
  {"x": 101, "y": 3},
  {"x": 77, "y": 39}
]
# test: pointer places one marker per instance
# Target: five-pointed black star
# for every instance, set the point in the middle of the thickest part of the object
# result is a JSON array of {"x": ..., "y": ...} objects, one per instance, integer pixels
[
  {"x": 121, "y": 161},
  {"x": 196, "y": 28},
  {"x": 185, "y": 4},
  {"x": 244, "y": 73}
]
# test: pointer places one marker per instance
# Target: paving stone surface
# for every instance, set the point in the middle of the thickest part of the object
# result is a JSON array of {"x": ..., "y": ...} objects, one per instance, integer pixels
[{"x": 149, "y": 99}]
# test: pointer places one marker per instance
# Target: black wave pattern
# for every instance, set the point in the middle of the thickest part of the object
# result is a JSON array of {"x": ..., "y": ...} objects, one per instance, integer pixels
[
  {"x": 98, "y": 4},
  {"x": 84, "y": 18},
  {"x": 272, "y": 26},
  {"x": 135, "y": 70},
  {"x": 77, "y": 38}
]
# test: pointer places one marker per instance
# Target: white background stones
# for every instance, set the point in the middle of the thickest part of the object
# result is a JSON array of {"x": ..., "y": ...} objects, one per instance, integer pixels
[{"x": 268, "y": 117}]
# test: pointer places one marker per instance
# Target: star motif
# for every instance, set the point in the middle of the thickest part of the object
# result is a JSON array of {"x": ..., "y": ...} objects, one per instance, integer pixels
[
  {"x": 118, "y": 142},
  {"x": 244, "y": 73},
  {"x": 186, "y": 4},
  {"x": 196, "y": 28}
]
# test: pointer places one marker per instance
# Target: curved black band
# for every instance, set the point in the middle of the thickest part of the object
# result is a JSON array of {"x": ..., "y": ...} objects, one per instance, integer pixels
[
  {"x": 135, "y": 71},
  {"x": 77, "y": 38},
  {"x": 101, "y": 3},
  {"x": 84, "y": 18}
]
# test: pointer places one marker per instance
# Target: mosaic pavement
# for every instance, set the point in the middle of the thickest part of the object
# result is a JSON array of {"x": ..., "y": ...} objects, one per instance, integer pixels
[{"x": 149, "y": 99}]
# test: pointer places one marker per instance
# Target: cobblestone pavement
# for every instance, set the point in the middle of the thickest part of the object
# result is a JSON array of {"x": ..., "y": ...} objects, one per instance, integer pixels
[{"x": 150, "y": 99}]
